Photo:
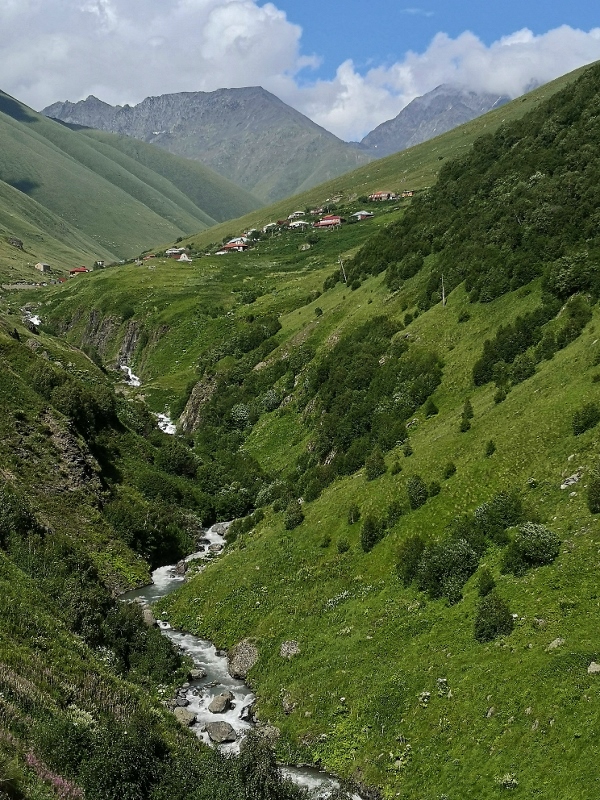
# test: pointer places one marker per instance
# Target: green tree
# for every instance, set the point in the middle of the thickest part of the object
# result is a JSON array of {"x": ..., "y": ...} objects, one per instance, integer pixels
[
  {"x": 417, "y": 491},
  {"x": 375, "y": 465},
  {"x": 493, "y": 618}
]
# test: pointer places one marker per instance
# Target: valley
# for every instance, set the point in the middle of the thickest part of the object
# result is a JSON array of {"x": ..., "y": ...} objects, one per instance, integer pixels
[{"x": 399, "y": 413}]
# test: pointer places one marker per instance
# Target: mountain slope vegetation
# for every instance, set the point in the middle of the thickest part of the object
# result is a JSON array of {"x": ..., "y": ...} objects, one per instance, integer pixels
[
  {"x": 248, "y": 135},
  {"x": 414, "y": 468},
  {"x": 81, "y": 199}
]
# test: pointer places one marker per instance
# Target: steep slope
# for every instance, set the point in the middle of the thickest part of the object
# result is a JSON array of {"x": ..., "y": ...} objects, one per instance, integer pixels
[
  {"x": 69, "y": 196},
  {"x": 428, "y": 116},
  {"x": 419, "y": 573},
  {"x": 218, "y": 198},
  {"x": 247, "y": 135}
]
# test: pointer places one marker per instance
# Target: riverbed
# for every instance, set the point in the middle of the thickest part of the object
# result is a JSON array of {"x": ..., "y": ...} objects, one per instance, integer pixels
[{"x": 198, "y": 694}]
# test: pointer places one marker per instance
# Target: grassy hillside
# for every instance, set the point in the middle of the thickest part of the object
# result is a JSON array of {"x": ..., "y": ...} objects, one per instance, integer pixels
[
  {"x": 79, "y": 197},
  {"x": 416, "y": 482},
  {"x": 416, "y": 168}
]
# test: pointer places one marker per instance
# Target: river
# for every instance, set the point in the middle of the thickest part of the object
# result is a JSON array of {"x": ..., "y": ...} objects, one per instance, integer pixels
[{"x": 199, "y": 693}]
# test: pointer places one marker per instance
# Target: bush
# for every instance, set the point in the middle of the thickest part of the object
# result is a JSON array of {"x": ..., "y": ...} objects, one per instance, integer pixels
[
  {"x": 417, "y": 491},
  {"x": 343, "y": 545},
  {"x": 493, "y": 618},
  {"x": 353, "y": 514},
  {"x": 593, "y": 492},
  {"x": 445, "y": 568},
  {"x": 587, "y": 417},
  {"x": 486, "y": 582},
  {"x": 396, "y": 468},
  {"x": 407, "y": 450},
  {"x": 394, "y": 512},
  {"x": 430, "y": 408},
  {"x": 534, "y": 545},
  {"x": 449, "y": 470},
  {"x": 434, "y": 489},
  {"x": 375, "y": 465},
  {"x": 490, "y": 448},
  {"x": 372, "y": 531},
  {"x": 293, "y": 515},
  {"x": 409, "y": 556}
]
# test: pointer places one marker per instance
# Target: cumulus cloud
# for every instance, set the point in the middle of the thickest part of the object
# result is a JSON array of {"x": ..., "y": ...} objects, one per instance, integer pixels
[
  {"x": 125, "y": 50},
  {"x": 352, "y": 103}
]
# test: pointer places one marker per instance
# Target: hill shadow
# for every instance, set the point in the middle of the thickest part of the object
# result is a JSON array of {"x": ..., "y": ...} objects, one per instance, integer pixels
[
  {"x": 14, "y": 109},
  {"x": 25, "y": 186}
]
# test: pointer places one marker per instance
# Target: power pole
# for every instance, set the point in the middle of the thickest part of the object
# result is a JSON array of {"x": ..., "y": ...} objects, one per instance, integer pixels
[
  {"x": 443, "y": 292},
  {"x": 342, "y": 268}
]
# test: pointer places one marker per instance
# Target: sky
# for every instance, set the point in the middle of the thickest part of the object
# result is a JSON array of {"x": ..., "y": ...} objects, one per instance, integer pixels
[{"x": 347, "y": 65}]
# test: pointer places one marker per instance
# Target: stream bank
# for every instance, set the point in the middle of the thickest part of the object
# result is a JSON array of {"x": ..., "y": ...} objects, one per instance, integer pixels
[{"x": 217, "y": 707}]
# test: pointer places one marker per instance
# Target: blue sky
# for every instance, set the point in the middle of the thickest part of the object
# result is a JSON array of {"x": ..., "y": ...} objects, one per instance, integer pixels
[
  {"x": 381, "y": 31},
  {"x": 347, "y": 65}
]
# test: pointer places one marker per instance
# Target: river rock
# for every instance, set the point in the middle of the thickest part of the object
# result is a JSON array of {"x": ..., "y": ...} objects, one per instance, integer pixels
[
  {"x": 594, "y": 669},
  {"x": 196, "y": 674},
  {"x": 220, "y": 528},
  {"x": 247, "y": 714},
  {"x": 220, "y": 732},
  {"x": 182, "y": 702},
  {"x": 221, "y": 703},
  {"x": 148, "y": 617},
  {"x": 180, "y": 568},
  {"x": 289, "y": 649},
  {"x": 215, "y": 548},
  {"x": 184, "y": 716},
  {"x": 242, "y": 658}
]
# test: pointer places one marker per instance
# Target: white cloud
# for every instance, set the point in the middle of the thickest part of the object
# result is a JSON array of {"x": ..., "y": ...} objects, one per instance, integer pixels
[{"x": 125, "y": 50}]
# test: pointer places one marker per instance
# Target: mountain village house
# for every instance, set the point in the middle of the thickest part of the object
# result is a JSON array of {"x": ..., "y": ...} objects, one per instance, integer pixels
[
  {"x": 329, "y": 221},
  {"x": 78, "y": 271},
  {"x": 379, "y": 196},
  {"x": 360, "y": 215},
  {"x": 41, "y": 267}
]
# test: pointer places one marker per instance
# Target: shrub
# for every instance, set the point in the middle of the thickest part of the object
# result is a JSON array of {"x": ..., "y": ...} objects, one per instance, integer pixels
[
  {"x": 293, "y": 515},
  {"x": 409, "y": 556},
  {"x": 375, "y": 465},
  {"x": 593, "y": 492},
  {"x": 493, "y": 618},
  {"x": 434, "y": 489},
  {"x": 343, "y": 545},
  {"x": 407, "y": 450},
  {"x": 449, "y": 470},
  {"x": 372, "y": 531},
  {"x": 534, "y": 545},
  {"x": 394, "y": 513},
  {"x": 468, "y": 410},
  {"x": 587, "y": 417},
  {"x": 417, "y": 491},
  {"x": 465, "y": 425},
  {"x": 490, "y": 448},
  {"x": 486, "y": 582},
  {"x": 353, "y": 514},
  {"x": 445, "y": 568},
  {"x": 396, "y": 467},
  {"x": 430, "y": 408}
]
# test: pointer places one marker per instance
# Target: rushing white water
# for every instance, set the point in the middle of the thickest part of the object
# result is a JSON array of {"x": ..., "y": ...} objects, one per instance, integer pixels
[
  {"x": 166, "y": 424},
  {"x": 132, "y": 380},
  {"x": 31, "y": 317},
  {"x": 217, "y": 680}
]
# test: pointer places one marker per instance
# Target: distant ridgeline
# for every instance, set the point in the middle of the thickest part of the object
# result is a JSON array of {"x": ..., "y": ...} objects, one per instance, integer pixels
[{"x": 522, "y": 204}]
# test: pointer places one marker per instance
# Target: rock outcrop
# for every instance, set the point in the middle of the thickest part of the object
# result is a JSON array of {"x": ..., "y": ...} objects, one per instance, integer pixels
[{"x": 242, "y": 658}]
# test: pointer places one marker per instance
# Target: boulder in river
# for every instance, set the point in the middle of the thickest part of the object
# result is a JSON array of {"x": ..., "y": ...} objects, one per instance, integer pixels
[
  {"x": 220, "y": 732},
  {"x": 221, "y": 703},
  {"x": 196, "y": 674},
  {"x": 148, "y": 617},
  {"x": 184, "y": 716},
  {"x": 242, "y": 658}
]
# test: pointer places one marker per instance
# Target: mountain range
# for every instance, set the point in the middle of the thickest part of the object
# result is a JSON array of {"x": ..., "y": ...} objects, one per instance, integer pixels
[
  {"x": 68, "y": 194},
  {"x": 257, "y": 141},
  {"x": 247, "y": 135},
  {"x": 428, "y": 116}
]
